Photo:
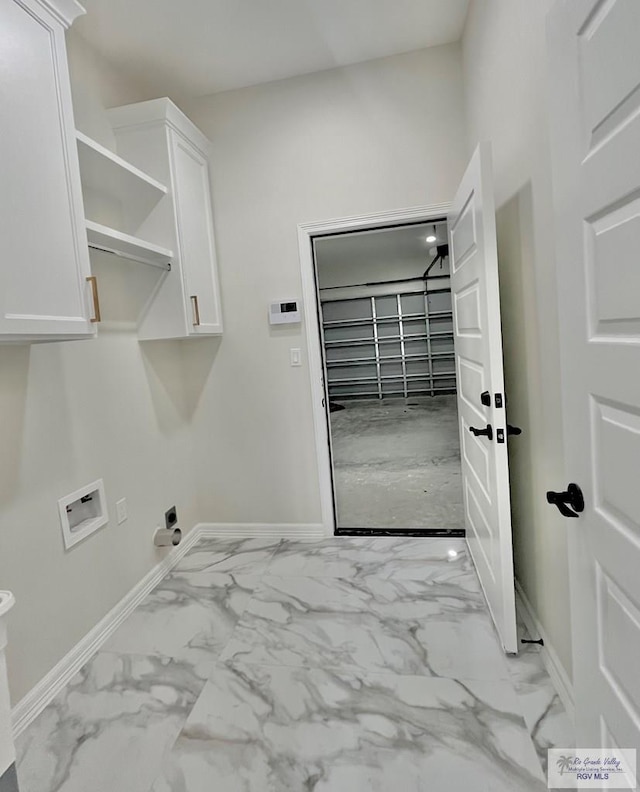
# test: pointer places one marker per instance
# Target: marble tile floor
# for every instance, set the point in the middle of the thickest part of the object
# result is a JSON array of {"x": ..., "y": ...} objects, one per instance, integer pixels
[
  {"x": 352, "y": 664},
  {"x": 545, "y": 716}
]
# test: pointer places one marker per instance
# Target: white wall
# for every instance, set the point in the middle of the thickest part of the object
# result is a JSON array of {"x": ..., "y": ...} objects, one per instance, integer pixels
[
  {"x": 377, "y": 136},
  {"x": 505, "y": 99},
  {"x": 75, "y": 411}
]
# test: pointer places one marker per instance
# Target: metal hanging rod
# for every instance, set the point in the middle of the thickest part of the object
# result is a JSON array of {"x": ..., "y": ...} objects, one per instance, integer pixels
[{"x": 130, "y": 257}]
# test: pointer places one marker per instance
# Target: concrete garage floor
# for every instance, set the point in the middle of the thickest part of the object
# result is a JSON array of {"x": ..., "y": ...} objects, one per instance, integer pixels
[{"x": 397, "y": 463}]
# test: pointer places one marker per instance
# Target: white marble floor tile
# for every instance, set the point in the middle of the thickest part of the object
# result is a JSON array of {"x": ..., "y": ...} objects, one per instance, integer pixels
[
  {"x": 526, "y": 667},
  {"x": 545, "y": 716},
  {"x": 546, "y": 719},
  {"x": 410, "y": 558},
  {"x": 189, "y": 616},
  {"x": 240, "y": 556},
  {"x": 110, "y": 728},
  {"x": 342, "y": 674},
  {"x": 399, "y": 626},
  {"x": 280, "y": 729}
]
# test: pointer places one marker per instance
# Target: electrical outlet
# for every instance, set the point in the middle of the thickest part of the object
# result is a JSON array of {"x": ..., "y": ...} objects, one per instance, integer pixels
[
  {"x": 171, "y": 517},
  {"x": 121, "y": 510}
]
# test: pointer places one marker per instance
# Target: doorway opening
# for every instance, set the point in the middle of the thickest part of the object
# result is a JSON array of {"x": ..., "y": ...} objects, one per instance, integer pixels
[{"x": 383, "y": 298}]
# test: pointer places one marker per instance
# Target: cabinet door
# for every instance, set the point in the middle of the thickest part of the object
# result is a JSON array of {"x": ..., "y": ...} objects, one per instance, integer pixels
[
  {"x": 45, "y": 262},
  {"x": 195, "y": 238}
]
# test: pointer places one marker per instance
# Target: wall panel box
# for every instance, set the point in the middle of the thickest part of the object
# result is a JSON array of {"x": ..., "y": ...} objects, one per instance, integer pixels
[
  {"x": 82, "y": 512},
  {"x": 161, "y": 141}
]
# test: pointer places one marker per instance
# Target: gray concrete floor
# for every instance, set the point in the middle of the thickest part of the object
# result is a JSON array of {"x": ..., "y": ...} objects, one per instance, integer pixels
[{"x": 397, "y": 463}]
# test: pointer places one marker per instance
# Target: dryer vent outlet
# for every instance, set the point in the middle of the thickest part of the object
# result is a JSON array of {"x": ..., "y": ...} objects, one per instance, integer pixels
[{"x": 171, "y": 518}]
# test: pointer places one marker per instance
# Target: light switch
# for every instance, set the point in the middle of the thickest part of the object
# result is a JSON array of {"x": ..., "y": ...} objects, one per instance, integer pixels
[{"x": 296, "y": 357}]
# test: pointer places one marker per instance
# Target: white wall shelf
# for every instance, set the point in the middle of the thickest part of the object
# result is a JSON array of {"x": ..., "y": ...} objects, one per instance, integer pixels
[
  {"x": 101, "y": 237},
  {"x": 105, "y": 172}
]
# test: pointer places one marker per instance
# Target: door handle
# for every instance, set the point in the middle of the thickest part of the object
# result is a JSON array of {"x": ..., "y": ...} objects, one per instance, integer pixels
[
  {"x": 568, "y": 502},
  {"x": 487, "y": 432},
  {"x": 513, "y": 430}
]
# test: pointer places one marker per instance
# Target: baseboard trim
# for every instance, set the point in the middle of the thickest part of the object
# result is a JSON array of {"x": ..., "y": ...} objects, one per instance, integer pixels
[
  {"x": 555, "y": 669},
  {"x": 32, "y": 704},
  {"x": 257, "y": 530}
]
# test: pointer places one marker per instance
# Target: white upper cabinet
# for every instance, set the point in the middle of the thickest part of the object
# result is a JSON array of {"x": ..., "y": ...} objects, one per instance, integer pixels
[
  {"x": 195, "y": 228},
  {"x": 158, "y": 138},
  {"x": 45, "y": 291}
]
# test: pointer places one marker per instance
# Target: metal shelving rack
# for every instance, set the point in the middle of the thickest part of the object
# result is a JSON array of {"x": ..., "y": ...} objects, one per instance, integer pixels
[{"x": 374, "y": 351}]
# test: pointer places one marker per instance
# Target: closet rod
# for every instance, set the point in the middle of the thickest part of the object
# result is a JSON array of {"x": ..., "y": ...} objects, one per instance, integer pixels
[{"x": 130, "y": 257}]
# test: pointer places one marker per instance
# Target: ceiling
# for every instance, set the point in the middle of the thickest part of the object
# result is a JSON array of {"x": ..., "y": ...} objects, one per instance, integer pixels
[
  {"x": 376, "y": 249},
  {"x": 189, "y": 48}
]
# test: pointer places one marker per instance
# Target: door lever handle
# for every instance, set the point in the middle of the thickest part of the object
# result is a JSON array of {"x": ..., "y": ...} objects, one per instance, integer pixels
[
  {"x": 487, "y": 432},
  {"x": 570, "y": 503},
  {"x": 513, "y": 430}
]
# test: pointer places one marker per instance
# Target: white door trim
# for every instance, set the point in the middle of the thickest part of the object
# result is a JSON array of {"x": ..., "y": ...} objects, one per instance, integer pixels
[{"x": 306, "y": 233}]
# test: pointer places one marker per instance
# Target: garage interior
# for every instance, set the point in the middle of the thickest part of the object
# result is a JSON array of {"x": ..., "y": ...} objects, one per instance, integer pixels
[{"x": 385, "y": 305}]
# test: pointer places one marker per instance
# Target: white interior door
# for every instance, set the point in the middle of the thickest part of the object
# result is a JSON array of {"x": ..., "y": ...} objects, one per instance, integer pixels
[
  {"x": 478, "y": 344},
  {"x": 594, "y": 50}
]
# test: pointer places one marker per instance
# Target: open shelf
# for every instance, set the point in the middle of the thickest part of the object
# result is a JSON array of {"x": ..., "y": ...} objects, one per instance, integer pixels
[
  {"x": 103, "y": 171},
  {"x": 109, "y": 240}
]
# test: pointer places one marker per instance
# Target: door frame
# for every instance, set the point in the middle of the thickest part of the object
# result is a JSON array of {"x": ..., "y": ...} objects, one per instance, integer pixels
[{"x": 320, "y": 405}]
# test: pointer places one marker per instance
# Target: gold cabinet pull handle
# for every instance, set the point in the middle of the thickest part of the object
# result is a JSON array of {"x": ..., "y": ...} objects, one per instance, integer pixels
[
  {"x": 196, "y": 310},
  {"x": 96, "y": 299}
]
